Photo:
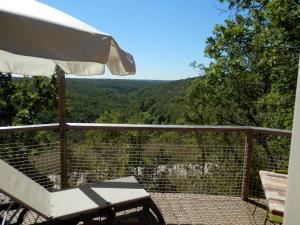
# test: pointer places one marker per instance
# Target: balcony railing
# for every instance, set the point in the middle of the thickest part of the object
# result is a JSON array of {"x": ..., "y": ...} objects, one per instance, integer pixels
[{"x": 185, "y": 162}]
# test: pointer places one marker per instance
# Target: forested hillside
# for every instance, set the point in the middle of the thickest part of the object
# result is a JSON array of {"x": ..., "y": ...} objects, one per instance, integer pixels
[
  {"x": 162, "y": 102},
  {"x": 133, "y": 100},
  {"x": 89, "y": 99},
  {"x": 33, "y": 100}
]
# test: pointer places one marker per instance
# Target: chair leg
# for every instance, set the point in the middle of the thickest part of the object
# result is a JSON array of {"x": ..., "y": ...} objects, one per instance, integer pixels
[
  {"x": 145, "y": 217},
  {"x": 254, "y": 210},
  {"x": 110, "y": 217},
  {"x": 266, "y": 217},
  {"x": 157, "y": 212},
  {"x": 22, "y": 216}
]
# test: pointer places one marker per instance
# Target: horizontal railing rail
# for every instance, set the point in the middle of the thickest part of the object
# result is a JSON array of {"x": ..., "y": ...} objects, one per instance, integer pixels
[
  {"x": 40, "y": 127},
  {"x": 187, "y": 128},
  {"x": 149, "y": 127}
]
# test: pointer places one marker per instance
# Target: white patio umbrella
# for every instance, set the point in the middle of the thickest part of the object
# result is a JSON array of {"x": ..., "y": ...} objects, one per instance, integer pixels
[{"x": 36, "y": 38}]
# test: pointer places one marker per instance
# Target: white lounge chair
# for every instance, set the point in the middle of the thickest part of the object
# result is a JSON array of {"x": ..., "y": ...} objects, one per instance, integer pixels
[{"x": 74, "y": 205}]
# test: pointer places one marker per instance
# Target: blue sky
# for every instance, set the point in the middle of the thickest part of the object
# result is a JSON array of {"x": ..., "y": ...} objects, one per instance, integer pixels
[{"x": 164, "y": 36}]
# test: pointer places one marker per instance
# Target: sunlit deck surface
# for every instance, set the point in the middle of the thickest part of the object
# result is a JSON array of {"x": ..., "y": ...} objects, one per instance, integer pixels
[
  {"x": 208, "y": 209},
  {"x": 198, "y": 209}
]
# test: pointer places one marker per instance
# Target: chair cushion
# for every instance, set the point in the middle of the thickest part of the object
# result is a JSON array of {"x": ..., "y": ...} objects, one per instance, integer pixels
[
  {"x": 89, "y": 197},
  {"x": 24, "y": 190}
]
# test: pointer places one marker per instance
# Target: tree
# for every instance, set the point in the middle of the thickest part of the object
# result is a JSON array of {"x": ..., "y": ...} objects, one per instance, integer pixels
[
  {"x": 8, "y": 108},
  {"x": 22, "y": 100},
  {"x": 251, "y": 79}
]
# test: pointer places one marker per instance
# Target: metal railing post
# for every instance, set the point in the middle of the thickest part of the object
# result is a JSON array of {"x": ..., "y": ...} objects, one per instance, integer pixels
[
  {"x": 62, "y": 128},
  {"x": 247, "y": 164}
]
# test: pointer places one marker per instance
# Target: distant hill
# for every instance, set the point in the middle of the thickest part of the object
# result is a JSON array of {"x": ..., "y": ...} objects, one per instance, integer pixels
[
  {"x": 161, "y": 100},
  {"x": 88, "y": 98}
]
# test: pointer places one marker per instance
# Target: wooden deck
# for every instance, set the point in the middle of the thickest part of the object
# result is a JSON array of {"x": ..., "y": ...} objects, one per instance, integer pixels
[
  {"x": 204, "y": 209},
  {"x": 183, "y": 209}
]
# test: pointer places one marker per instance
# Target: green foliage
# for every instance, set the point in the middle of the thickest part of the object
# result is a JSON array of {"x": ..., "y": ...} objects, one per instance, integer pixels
[
  {"x": 252, "y": 78},
  {"x": 8, "y": 108},
  {"x": 23, "y": 100},
  {"x": 150, "y": 102},
  {"x": 161, "y": 101},
  {"x": 88, "y": 99}
]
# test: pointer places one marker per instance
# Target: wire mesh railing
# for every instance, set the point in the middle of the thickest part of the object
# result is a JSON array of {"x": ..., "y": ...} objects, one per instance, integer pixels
[
  {"x": 165, "y": 162},
  {"x": 179, "y": 165},
  {"x": 271, "y": 154},
  {"x": 162, "y": 168},
  {"x": 36, "y": 154}
]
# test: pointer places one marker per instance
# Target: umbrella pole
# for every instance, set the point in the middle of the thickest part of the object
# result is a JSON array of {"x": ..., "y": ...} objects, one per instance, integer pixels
[{"x": 62, "y": 127}]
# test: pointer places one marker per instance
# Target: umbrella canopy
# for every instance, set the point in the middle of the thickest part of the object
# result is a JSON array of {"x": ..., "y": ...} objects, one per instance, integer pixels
[{"x": 35, "y": 38}]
